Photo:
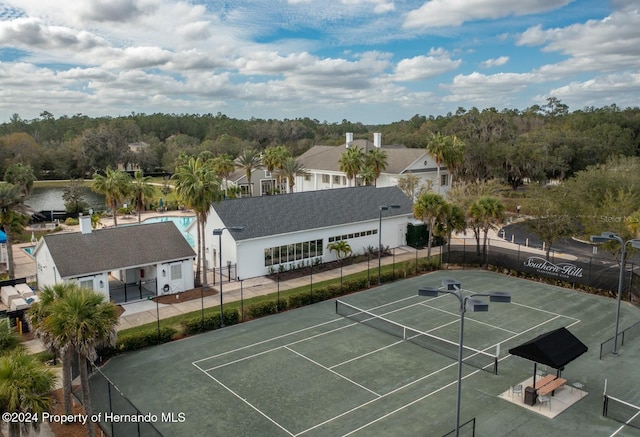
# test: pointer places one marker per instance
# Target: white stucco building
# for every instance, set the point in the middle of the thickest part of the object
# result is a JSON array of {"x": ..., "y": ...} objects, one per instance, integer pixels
[
  {"x": 323, "y": 166},
  {"x": 293, "y": 230},
  {"x": 152, "y": 258}
]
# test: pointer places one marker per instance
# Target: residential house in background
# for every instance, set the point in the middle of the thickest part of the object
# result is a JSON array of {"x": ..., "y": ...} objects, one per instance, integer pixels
[
  {"x": 293, "y": 230},
  {"x": 323, "y": 166}
]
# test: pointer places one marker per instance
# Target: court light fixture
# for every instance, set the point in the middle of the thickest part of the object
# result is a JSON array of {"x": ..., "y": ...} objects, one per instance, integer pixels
[
  {"x": 452, "y": 286},
  {"x": 612, "y": 236}
]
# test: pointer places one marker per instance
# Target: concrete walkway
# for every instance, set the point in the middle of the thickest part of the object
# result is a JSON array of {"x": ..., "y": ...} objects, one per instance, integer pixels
[{"x": 138, "y": 313}]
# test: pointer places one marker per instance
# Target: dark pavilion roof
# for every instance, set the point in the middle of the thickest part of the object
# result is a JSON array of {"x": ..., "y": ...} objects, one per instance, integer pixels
[{"x": 554, "y": 349}]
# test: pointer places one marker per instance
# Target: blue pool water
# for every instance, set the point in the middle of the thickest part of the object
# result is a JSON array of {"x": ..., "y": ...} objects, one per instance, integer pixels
[
  {"x": 29, "y": 250},
  {"x": 182, "y": 223}
]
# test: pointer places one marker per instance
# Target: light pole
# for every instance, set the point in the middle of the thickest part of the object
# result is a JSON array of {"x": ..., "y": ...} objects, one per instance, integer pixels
[
  {"x": 218, "y": 232},
  {"x": 603, "y": 238},
  {"x": 382, "y": 208},
  {"x": 451, "y": 286}
]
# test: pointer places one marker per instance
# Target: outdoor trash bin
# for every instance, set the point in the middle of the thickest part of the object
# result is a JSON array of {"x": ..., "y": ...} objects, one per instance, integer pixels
[{"x": 530, "y": 396}]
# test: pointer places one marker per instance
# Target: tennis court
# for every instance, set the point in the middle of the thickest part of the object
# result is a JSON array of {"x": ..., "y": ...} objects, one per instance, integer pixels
[{"x": 386, "y": 365}]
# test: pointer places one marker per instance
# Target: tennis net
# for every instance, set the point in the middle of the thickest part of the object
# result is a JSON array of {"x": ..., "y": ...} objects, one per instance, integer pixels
[
  {"x": 621, "y": 411},
  {"x": 473, "y": 357}
]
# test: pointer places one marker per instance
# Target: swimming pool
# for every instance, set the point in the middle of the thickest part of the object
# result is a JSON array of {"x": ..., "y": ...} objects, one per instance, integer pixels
[
  {"x": 182, "y": 223},
  {"x": 29, "y": 250}
]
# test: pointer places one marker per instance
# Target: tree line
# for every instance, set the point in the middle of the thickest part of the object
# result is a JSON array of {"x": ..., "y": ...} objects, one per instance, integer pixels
[{"x": 541, "y": 143}]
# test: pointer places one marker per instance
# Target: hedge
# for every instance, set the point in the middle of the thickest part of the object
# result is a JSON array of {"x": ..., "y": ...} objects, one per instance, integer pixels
[
  {"x": 196, "y": 325},
  {"x": 146, "y": 338}
]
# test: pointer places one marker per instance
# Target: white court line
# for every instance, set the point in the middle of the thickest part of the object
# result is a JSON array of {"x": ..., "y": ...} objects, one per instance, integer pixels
[
  {"x": 628, "y": 421},
  {"x": 248, "y": 403},
  {"x": 267, "y": 340},
  {"x": 388, "y": 394},
  {"x": 366, "y": 355},
  {"x": 543, "y": 311},
  {"x": 437, "y": 390},
  {"x": 556, "y": 316},
  {"x": 277, "y": 347},
  {"x": 333, "y": 371},
  {"x": 424, "y": 304}
]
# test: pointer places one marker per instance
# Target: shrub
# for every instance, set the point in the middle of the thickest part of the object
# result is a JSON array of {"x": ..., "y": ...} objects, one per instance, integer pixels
[
  {"x": 70, "y": 221},
  {"x": 146, "y": 338},
  {"x": 261, "y": 309},
  {"x": 299, "y": 300},
  {"x": 196, "y": 325}
]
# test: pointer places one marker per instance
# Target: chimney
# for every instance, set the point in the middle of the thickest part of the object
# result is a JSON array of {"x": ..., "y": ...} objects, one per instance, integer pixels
[
  {"x": 85, "y": 224},
  {"x": 349, "y": 138},
  {"x": 377, "y": 139}
]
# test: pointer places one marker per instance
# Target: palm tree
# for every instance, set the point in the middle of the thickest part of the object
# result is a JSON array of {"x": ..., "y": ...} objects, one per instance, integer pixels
[
  {"x": 290, "y": 168},
  {"x": 22, "y": 176},
  {"x": 80, "y": 321},
  {"x": 341, "y": 248},
  {"x": 437, "y": 146},
  {"x": 8, "y": 338},
  {"x": 25, "y": 387},
  {"x": 37, "y": 314},
  {"x": 249, "y": 160},
  {"x": 351, "y": 162},
  {"x": 114, "y": 186},
  {"x": 485, "y": 212},
  {"x": 377, "y": 160},
  {"x": 224, "y": 166},
  {"x": 454, "y": 221},
  {"x": 141, "y": 190},
  {"x": 429, "y": 208},
  {"x": 273, "y": 159},
  {"x": 453, "y": 156},
  {"x": 11, "y": 218},
  {"x": 199, "y": 187},
  {"x": 368, "y": 175}
]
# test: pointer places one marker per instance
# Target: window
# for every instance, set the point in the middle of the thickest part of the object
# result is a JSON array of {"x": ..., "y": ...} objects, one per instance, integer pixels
[
  {"x": 337, "y": 180},
  {"x": 325, "y": 179},
  {"x": 176, "y": 272},
  {"x": 444, "y": 180},
  {"x": 244, "y": 190},
  {"x": 307, "y": 177},
  {"x": 86, "y": 283},
  {"x": 292, "y": 252}
]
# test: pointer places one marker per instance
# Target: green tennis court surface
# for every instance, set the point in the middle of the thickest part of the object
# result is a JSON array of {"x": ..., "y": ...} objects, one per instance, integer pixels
[{"x": 314, "y": 372}]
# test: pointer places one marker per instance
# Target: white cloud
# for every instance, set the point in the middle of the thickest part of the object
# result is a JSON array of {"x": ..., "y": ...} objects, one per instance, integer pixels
[
  {"x": 32, "y": 33},
  {"x": 621, "y": 89},
  {"x": 608, "y": 44},
  {"x": 496, "y": 62},
  {"x": 441, "y": 13},
  {"x": 491, "y": 90},
  {"x": 424, "y": 67}
]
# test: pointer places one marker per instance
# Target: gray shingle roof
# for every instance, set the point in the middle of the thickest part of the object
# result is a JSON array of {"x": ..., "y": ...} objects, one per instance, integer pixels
[
  {"x": 77, "y": 254},
  {"x": 285, "y": 213},
  {"x": 328, "y": 157}
]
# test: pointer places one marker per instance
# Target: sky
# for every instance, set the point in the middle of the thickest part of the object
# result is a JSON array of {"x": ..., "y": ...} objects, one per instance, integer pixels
[{"x": 369, "y": 61}]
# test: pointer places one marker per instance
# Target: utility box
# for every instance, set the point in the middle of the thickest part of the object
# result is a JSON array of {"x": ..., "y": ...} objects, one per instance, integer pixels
[
  {"x": 417, "y": 235},
  {"x": 530, "y": 396}
]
